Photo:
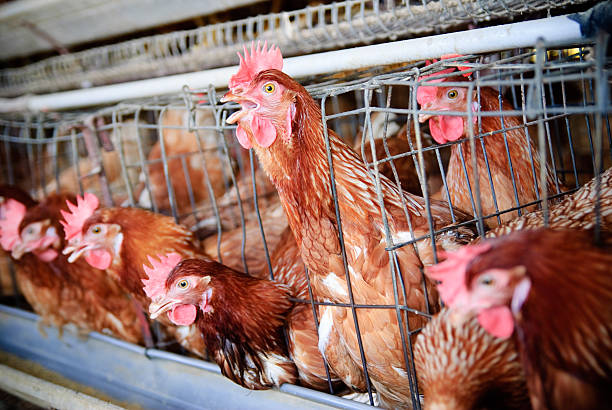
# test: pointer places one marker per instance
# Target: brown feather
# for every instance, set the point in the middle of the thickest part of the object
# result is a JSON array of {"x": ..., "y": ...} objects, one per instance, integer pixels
[
  {"x": 148, "y": 234},
  {"x": 62, "y": 292},
  {"x": 299, "y": 170},
  {"x": 462, "y": 367},
  {"x": 244, "y": 328},
  {"x": 566, "y": 349},
  {"x": 521, "y": 150}
]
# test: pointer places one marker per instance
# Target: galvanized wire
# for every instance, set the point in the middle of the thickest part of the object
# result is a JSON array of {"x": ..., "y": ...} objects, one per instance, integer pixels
[
  {"x": 315, "y": 28},
  {"x": 561, "y": 91}
]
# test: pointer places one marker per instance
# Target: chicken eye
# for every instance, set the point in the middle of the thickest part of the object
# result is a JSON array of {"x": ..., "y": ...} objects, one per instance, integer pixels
[
  {"x": 269, "y": 88},
  {"x": 184, "y": 284},
  {"x": 486, "y": 280},
  {"x": 96, "y": 229},
  {"x": 452, "y": 94}
]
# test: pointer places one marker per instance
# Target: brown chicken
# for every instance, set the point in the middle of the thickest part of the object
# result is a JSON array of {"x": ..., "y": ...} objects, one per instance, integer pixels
[
  {"x": 462, "y": 367},
  {"x": 552, "y": 290},
  {"x": 58, "y": 292},
  {"x": 73, "y": 293},
  {"x": 282, "y": 123},
  {"x": 7, "y": 279},
  {"x": 521, "y": 159},
  {"x": 241, "y": 318},
  {"x": 182, "y": 151},
  {"x": 118, "y": 240}
]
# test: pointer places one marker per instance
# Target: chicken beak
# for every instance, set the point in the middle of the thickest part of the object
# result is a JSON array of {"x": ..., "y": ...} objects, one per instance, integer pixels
[
  {"x": 157, "y": 308},
  {"x": 19, "y": 250},
  {"x": 246, "y": 106},
  {"x": 229, "y": 96},
  {"x": 424, "y": 117},
  {"x": 75, "y": 251}
]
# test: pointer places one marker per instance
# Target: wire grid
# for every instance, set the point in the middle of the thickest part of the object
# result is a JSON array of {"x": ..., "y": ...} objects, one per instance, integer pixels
[
  {"x": 317, "y": 28},
  {"x": 560, "y": 95}
]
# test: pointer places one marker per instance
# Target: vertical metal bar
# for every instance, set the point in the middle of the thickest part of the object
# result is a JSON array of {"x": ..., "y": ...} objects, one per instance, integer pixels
[
  {"x": 330, "y": 163},
  {"x": 117, "y": 130},
  {"x": 539, "y": 65},
  {"x": 25, "y": 134},
  {"x": 316, "y": 321},
  {"x": 164, "y": 159},
  {"x": 512, "y": 175},
  {"x": 41, "y": 157},
  {"x": 144, "y": 163},
  {"x": 481, "y": 137},
  {"x": 569, "y": 132},
  {"x": 76, "y": 163},
  {"x": 220, "y": 116},
  {"x": 601, "y": 104},
  {"x": 7, "y": 153},
  {"x": 587, "y": 84},
  {"x": 257, "y": 213},
  {"x": 56, "y": 171},
  {"x": 91, "y": 144},
  {"x": 472, "y": 141},
  {"x": 524, "y": 109},
  {"x": 189, "y": 188},
  {"x": 394, "y": 268}
]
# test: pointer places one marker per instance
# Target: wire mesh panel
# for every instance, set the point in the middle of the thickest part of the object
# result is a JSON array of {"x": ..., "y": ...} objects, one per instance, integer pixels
[
  {"x": 316, "y": 28},
  {"x": 485, "y": 139}
]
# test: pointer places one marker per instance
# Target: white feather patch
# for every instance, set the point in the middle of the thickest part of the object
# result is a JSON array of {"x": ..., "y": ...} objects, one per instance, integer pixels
[
  {"x": 325, "y": 327},
  {"x": 332, "y": 282}
]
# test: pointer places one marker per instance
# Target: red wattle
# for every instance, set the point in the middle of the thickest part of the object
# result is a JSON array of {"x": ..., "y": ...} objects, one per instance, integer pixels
[
  {"x": 183, "y": 315},
  {"x": 263, "y": 130},
  {"x": 498, "y": 321},
  {"x": 242, "y": 137},
  {"x": 47, "y": 255},
  {"x": 444, "y": 128},
  {"x": 99, "y": 259}
]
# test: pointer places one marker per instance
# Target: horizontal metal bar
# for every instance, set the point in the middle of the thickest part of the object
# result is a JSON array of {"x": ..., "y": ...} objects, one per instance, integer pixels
[
  {"x": 47, "y": 394},
  {"x": 553, "y": 30},
  {"x": 152, "y": 378}
]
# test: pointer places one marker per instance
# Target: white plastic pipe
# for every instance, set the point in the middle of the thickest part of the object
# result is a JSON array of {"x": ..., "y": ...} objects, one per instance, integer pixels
[{"x": 555, "y": 30}]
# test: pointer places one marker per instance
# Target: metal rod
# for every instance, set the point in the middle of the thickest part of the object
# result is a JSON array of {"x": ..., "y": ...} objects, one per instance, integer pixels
[{"x": 524, "y": 34}]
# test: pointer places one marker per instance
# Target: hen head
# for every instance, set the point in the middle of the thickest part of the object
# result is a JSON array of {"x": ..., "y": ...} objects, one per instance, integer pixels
[
  {"x": 267, "y": 98},
  {"x": 479, "y": 281},
  {"x": 89, "y": 234},
  {"x": 11, "y": 215},
  {"x": 39, "y": 237},
  {"x": 444, "y": 128},
  {"x": 178, "y": 287}
]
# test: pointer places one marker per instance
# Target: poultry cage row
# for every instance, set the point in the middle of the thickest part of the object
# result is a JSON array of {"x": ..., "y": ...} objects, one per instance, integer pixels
[
  {"x": 176, "y": 155},
  {"x": 314, "y": 28}
]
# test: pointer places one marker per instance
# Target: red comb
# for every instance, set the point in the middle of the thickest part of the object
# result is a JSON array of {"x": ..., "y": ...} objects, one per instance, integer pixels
[
  {"x": 13, "y": 213},
  {"x": 158, "y": 273},
  {"x": 260, "y": 59},
  {"x": 78, "y": 214},
  {"x": 451, "y": 272},
  {"x": 426, "y": 94}
]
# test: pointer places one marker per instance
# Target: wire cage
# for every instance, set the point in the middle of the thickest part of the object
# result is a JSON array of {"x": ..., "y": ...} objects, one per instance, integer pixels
[
  {"x": 314, "y": 28},
  {"x": 176, "y": 155}
]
